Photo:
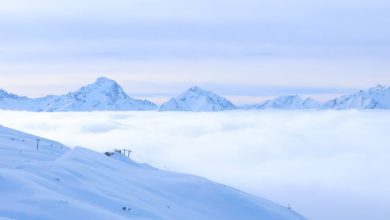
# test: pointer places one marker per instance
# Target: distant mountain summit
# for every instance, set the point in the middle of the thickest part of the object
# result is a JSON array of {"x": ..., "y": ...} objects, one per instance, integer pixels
[
  {"x": 286, "y": 102},
  {"x": 103, "y": 94},
  {"x": 199, "y": 100},
  {"x": 377, "y": 97}
]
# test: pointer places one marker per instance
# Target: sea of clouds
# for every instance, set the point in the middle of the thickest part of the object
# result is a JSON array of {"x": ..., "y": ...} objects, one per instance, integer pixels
[{"x": 325, "y": 164}]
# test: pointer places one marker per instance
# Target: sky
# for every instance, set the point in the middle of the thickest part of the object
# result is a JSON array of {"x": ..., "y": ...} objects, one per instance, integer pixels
[
  {"x": 248, "y": 50},
  {"x": 328, "y": 165}
]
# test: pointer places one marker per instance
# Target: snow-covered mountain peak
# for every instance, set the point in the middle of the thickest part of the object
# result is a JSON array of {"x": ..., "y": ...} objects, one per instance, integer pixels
[
  {"x": 5, "y": 94},
  {"x": 196, "y": 89},
  {"x": 286, "y": 102},
  {"x": 103, "y": 87},
  {"x": 197, "y": 99},
  {"x": 104, "y": 80},
  {"x": 289, "y": 98},
  {"x": 378, "y": 88},
  {"x": 105, "y": 83},
  {"x": 377, "y": 97},
  {"x": 103, "y": 94}
]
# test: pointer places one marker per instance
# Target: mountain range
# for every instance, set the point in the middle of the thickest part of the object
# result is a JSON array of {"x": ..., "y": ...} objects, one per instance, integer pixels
[
  {"x": 107, "y": 95},
  {"x": 103, "y": 94}
]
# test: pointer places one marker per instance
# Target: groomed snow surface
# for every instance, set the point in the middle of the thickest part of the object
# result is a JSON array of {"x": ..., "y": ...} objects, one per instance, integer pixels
[{"x": 55, "y": 182}]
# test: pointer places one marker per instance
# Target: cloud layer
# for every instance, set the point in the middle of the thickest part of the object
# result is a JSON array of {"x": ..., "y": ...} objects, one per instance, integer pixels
[{"x": 325, "y": 164}]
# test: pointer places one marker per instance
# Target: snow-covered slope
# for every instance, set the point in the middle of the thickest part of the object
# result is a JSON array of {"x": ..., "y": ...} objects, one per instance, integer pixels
[
  {"x": 197, "y": 99},
  {"x": 17, "y": 148},
  {"x": 59, "y": 183},
  {"x": 377, "y": 97},
  {"x": 286, "y": 102},
  {"x": 103, "y": 94}
]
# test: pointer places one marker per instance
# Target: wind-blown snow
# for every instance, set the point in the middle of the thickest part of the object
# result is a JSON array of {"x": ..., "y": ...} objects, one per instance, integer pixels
[
  {"x": 325, "y": 164},
  {"x": 57, "y": 183}
]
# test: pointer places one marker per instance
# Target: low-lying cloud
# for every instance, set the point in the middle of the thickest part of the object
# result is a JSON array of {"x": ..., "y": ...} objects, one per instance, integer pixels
[{"x": 325, "y": 164}]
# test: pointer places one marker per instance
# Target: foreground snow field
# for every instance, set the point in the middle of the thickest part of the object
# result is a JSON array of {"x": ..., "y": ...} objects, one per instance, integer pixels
[
  {"x": 55, "y": 182},
  {"x": 325, "y": 164}
]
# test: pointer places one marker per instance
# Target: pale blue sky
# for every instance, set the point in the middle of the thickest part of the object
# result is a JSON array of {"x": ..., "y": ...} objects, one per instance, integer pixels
[{"x": 248, "y": 50}]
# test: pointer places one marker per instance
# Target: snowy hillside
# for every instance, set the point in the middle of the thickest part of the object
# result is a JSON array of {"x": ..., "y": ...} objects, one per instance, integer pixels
[
  {"x": 103, "y": 94},
  {"x": 377, "y": 97},
  {"x": 55, "y": 182},
  {"x": 197, "y": 99},
  {"x": 286, "y": 102},
  {"x": 17, "y": 148}
]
